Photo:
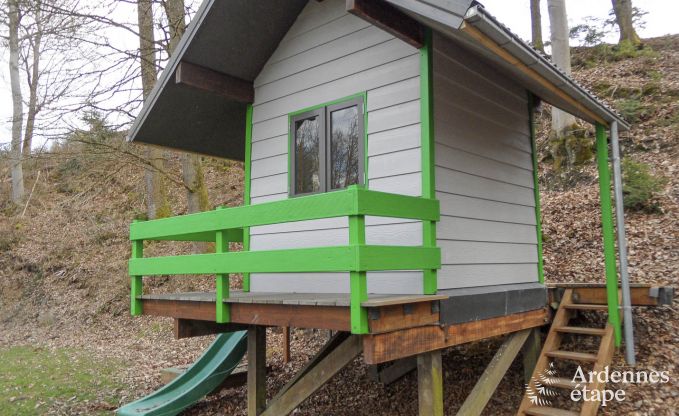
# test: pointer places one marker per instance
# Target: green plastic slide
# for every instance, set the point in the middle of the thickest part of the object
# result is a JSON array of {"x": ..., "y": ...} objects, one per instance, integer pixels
[{"x": 206, "y": 374}]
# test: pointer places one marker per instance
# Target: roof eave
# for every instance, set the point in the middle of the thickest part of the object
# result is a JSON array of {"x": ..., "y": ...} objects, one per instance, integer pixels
[
  {"x": 484, "y": 22},
  {"x": 167, "y": 74}
]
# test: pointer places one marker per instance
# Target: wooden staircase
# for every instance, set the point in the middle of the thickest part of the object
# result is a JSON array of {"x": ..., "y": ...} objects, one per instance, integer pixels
[{"x": 551, "y": 351}]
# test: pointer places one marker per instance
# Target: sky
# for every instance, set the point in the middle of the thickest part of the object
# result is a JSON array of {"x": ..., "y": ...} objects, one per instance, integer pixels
[{"x": 660, "y": 20}]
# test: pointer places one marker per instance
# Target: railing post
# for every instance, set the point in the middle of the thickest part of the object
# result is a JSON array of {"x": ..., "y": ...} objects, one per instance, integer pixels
[
  {"x": 429, "y": 276},
  {"x": 222, "y": 313},
  {"x": 246, "y": 186},
  {"x": 608, "y": 231},
  {"x": 358, "y": 279},
  {"x": 136, "y": 288}
]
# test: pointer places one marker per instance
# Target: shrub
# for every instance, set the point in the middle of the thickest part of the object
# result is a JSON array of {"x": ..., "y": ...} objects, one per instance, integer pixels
[
  {"x": 573, "y": 148},
  {"x": 640, "y": 186},
  {"x": 632, "y": 110},
  {"x": 7, "y": 241},
  {"x": 602, "y": 53}
]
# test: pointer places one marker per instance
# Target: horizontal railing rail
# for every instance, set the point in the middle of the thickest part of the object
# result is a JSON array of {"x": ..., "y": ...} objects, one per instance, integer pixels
[
  {"x": 352, "y": 201},
  {"x": 349, "y": 258},
  {"x": 229, "y": 224}
]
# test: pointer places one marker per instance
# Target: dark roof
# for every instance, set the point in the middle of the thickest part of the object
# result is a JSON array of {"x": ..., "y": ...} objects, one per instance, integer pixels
[{"x": 236, "y": 37}]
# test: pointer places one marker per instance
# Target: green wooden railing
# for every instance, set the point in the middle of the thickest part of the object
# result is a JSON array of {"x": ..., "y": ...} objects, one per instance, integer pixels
[{"x": 226, "y": 225}]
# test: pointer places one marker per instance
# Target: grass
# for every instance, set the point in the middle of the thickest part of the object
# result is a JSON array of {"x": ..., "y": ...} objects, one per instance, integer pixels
[{"x": 33, "y": 380}]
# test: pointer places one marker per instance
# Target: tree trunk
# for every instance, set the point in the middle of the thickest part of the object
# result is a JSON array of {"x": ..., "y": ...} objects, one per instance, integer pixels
[
  {"x": 561, "y": 55},
  {"x": 174, "y": 10},
  {"x": 564, "y": 146},
  {"x": 17, "y": 104},
  {"x": 623, "y": 16},
  {"x": 536, "y": 25},
  {"x": 157, "y": 205},
  {"x": 33, "y": 79},
  {"x": 192, "y": 170}
]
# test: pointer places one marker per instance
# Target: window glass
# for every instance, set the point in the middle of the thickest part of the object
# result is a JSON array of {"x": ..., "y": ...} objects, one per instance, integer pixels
[
  {"x": 344, "y": 147},
  {"x": 307, "y": 155},
  {"x": 327, "y": 147}
]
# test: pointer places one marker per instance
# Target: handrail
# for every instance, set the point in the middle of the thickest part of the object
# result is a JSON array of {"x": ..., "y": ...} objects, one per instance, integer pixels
[
  {"x": 351, "y": 201},
  {"x": 226, "y": 225}
]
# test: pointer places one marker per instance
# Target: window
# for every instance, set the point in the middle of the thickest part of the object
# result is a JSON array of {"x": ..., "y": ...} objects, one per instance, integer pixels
[{"x": 327, "y": 148}]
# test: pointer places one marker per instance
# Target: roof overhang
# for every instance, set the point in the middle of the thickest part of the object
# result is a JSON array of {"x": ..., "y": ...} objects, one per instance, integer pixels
[
  {"x": 488, "y": 37},
  {"x": 469, "y": 24},
  {"x": 222, "y": 39},
  {"x": 437, "y": 14},
  {"x": 228, "y": 42}
]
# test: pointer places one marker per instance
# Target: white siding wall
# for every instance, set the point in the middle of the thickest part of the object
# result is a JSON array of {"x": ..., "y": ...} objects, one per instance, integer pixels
[
  {"x": 484, "y": 173},
  {"x": 326, "y": 55}
]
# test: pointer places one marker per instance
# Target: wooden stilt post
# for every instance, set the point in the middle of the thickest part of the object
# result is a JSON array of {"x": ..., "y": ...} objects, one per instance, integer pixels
[
  {"x": 286, "y": 344},
  {"x": 313, "y": 378},
  {"x": 531, "y": 353},
  {"x": 256, "y": 370},
  {"x": 430, "y": 383},
  {"x": 492, "y": 375}
]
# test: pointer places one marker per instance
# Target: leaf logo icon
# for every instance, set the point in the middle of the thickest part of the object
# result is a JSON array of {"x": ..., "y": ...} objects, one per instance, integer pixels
[{"x": 538, "y": 391}]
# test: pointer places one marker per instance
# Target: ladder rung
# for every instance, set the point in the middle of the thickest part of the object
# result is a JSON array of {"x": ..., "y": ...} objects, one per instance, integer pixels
[
  {"x": 572, "y": 355},
  {"x": 565, "y": 383},
  {"x": 581, "y": 330},
  {"x": 549, "y": 411},
  {"x": 586, "y": 306}
]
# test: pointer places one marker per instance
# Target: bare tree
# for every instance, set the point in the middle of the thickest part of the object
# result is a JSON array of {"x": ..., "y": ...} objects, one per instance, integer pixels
[
  {"x": 59, "y": 49},
  {"x": 192, "y": 169},
  {"x": 536, "y": 25},
  {"x": 17, "y": 102},
  {"x": 623, "y": 17},
  {"x": 157, "y": 205},
  {"x": 33, "y": 75},
  {"x": 561, "y": 55}
]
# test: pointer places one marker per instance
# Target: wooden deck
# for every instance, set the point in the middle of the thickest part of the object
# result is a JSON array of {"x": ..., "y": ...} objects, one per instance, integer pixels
[
  {"x": 400, "y": 325},
  {"x": 301, "y": 310},
  {"x": 313, "y": 299}
]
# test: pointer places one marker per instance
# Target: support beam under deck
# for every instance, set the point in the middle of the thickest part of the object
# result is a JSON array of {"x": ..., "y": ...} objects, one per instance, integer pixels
[
  {"x": 380, "y": 348},
  {"x": 256, "y": 370}
]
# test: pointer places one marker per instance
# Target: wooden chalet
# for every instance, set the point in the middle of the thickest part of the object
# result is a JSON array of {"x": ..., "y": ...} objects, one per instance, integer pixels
[{"x": 391, "y": 190}]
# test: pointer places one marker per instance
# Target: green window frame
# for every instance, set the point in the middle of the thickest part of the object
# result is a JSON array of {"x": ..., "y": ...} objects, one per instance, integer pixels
[{"x": 322, "y": 114}]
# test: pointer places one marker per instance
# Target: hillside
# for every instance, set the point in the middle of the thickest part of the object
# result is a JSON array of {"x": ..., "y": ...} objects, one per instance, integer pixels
[{"x": 64, "y": 285}]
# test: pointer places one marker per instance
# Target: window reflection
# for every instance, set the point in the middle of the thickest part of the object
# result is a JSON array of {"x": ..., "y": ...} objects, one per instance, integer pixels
[
  {"x": 307, "y": 163},
  {"x": 344, "y": 147}
]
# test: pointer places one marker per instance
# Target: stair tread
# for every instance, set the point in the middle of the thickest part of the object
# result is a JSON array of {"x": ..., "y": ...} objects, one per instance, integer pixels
[
  {"x": 549, "y": 411},
  {"x": 586, "y": 306},
  {"x": 581, "y": 330},
  {"x": 573, "y": 355},
  {"x": 564, "y": 383}
]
